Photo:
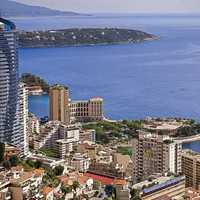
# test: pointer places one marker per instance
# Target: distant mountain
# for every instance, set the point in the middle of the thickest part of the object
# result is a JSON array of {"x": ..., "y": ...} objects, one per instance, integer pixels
[{"x": 14, "y": 9}]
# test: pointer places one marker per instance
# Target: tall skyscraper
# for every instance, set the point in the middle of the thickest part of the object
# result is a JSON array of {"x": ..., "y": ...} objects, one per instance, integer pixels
[
  {"x": 23, "y": 117},
  {"x": 59, "y": 104},
  {"x": 154, "y": 153},
  {"x": 9, "y": 126}
]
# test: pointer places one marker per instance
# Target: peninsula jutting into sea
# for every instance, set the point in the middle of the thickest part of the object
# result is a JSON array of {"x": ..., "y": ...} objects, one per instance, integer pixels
[{"x": 81, "y": 36}]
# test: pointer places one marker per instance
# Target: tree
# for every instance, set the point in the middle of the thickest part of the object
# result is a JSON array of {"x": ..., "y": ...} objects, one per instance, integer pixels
[
  {"x": 96, "y": 185},
  {"x": 135, "y": 194},
  {"x": 58, "y": 170},
  {"x": 7, "y": 164},
  {"x": 2, "y": 151},
  {"x": 75, "y": 185},
  {"x": 37, "y": 164},
  {"x": 14, "y": 160},
  {"x": 65, "y": 189}
]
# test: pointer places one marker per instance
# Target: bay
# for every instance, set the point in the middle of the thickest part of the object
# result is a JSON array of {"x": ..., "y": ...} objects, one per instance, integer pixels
[{"x": 158, "y": 78}]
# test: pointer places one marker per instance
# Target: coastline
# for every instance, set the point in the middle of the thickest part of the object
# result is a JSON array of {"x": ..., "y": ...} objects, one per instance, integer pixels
[{"x": 91, "y": 45}]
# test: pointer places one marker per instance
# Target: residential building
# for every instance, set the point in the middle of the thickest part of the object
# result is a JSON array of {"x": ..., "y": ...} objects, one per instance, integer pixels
[
  {"x": 192, "y": 194},
  {"x": 86, "y": 111},
  {"x": 33, "y": 128},
  {"x": 48, "y": 193},
  {"x": 46, "y": 161},
  {"x": 59, "y": 104},
  {"x": 103, "y": 169},
  {"x": 33, "y": 124},
  {"x": 89, "y": 149},
  {"x": 10, "y": 151},
  {"x": 87, "y": 135},
  {"x": 23, "y": 118},
  {"x": 4, "y": 190},
  {"x": 122, "y": 189},
  {"x": 17, "y": 184},
  {"x": 191, "y": 168},
  {"x": 173, "y": 189},
  {"x": 154, "y": 153},
  {"x": 124, "y": 164},
  {"x": 48, "y": 135},
  {"x": 35, "y": 90},
  {"x": 80, "y": 162},
  {"x": 69, "y": 138},
  {"x": 9, "y": 124}
]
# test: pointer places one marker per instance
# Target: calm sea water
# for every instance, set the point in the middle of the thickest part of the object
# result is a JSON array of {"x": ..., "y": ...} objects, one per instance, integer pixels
[
  {"x": 157, "y": 78},
  {"x": 195, "y": 146}
]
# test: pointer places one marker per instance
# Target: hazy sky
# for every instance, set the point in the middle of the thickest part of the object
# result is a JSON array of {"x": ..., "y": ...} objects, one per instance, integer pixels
[{"x": 120, "y": 5}]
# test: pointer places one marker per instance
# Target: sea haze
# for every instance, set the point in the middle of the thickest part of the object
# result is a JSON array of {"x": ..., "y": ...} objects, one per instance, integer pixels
[{"x": 155, "y": 78}]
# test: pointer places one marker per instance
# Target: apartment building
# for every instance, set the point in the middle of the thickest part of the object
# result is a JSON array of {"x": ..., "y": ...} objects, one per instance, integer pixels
[
  {"x": 9, "y": 122},
  {"x": 59, "y": 104},
  {"x": 48, "y": 135},
  {"x": 88, "y": 135},
  {"x": 17, "y": 184},
  {"x": 154, "y": 153},
  {"x": 68, "y": 141},
  {"x": 80, "y": 162},
  {"x": 86, "y": 111},
  {"x": 191, "y": 168},
  {"x": 23, "y": 117}
]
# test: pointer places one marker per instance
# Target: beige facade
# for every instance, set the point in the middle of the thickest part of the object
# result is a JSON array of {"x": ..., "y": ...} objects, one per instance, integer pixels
[
  {"x": 191, "y": 169},
  {"x": 59, "y": 104},
  {"x": 153, "y": 153},
  {"x": 86, "y": 111}
]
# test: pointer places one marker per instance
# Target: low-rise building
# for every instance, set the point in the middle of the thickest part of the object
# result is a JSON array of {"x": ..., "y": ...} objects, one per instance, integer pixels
[
  {"x": 18, "y": 184},
  {"x": 108, "y": 170},
  {"x": 122, "y": 189},
  {"x": 192, "y": 194},
  {"x": 87, "y": 135},
  {"x": 89, "y": 149},
  {"x": 123, "y": 163},
  {"x": 80, "y": 162},
  {"x": 174, "y": 188},
  {"x": 48, "y": 193},
  {"x": 10, "y": 151},
  {"x": 163, "y": 126}
]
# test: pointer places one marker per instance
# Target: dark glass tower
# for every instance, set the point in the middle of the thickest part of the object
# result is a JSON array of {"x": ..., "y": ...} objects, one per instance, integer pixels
[{"x": 9, "y": 125}]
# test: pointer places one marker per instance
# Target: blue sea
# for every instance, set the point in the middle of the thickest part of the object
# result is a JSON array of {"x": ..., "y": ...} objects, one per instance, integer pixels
[{"x": 158, "y": 78}]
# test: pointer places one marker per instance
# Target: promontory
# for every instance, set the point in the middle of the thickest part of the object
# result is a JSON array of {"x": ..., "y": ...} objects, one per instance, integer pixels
[{"x": 81, "y": 36}]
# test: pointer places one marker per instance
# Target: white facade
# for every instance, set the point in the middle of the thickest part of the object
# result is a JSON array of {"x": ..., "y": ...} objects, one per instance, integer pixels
[
  {"x": 69, "y": 138},
  {"x": 23, "y": 117}
]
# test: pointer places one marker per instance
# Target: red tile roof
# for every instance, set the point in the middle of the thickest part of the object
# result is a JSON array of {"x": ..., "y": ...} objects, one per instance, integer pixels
[{"x": 103, "y": 179}]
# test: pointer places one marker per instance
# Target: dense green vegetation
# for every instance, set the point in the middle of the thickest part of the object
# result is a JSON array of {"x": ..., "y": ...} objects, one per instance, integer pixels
[
  {"x": 106, "y": 131},
  {"x": 189, "y": 129},
  {"x": 125, "y": 150},
  {"x": 50, "y": 178},
  {"x": 83, "y": 36},
  {"x": 48, "y": 152},
  {"x": 33, "y": 80}
]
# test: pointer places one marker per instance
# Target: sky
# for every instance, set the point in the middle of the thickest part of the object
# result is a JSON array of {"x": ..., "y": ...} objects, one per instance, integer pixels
[{"x": 119, "y": 5}]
